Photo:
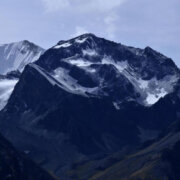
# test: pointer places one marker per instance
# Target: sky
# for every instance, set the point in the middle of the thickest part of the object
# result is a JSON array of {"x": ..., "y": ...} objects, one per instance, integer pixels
[{"x": 138, "y": 23}]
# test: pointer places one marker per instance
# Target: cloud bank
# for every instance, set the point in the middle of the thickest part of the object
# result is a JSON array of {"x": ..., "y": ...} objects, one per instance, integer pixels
[{"x": 81, "y": 5}]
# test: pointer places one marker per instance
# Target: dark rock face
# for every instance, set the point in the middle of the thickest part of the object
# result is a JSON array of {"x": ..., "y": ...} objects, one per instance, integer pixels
[
  {"x": 88, "y": 97},
  {"x": 172, "y": 157},
  {"x": 16, "y": 166},
  {"x": 13, "y": 74}
]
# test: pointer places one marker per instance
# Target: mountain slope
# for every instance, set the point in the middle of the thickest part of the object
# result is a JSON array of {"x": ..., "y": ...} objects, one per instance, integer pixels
[
  {"x": 15, "y": 166},
  {"x": 15, "y": 56},
  {"x": 154, "y": 160},
  {"x": 158, "y": 161},
  {"x": 88, "y": 97}
]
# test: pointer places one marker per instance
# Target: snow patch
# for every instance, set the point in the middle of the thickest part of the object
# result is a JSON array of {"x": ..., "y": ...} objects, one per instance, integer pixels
[
  {"x": 80, "y": 40},
  {"x": 153, "y": 98},
  {"x": 90, "y": 52},
  {"x": 80, "y": 62},
  {"x": 62, "y": 76},
  {"x": 152, "y": 90},
  {"x": 142, "y": 83},
  {"x": 65, "y": 45},
  {"x": 116, "y": 105},
  {"x": 120, "y": 65}
]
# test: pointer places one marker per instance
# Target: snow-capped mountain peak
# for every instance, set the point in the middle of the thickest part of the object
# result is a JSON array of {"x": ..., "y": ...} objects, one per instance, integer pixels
[
  {"x": 15, "y": 56},
  {"x": 146, "y": 74},
  {"x": 78, "y": 41}
]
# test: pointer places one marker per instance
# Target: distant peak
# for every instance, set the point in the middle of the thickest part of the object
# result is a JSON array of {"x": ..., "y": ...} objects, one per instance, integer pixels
[
  {"x": 26, "y": 42},
  {"x": 29, "y": 44}
]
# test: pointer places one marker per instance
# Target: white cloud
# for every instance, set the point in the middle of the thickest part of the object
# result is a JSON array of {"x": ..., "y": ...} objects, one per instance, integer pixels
[
  {"x": 104, "y": 10},
  {"x": 55, "y": 5},
  {"x": 107, "y": 5},
  {"x": 110, "y": 22},
  {"x": 79, "y": 31}
]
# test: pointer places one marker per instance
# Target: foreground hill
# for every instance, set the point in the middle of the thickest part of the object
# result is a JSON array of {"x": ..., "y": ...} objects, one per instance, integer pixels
[{"x": 16, "y": 166}]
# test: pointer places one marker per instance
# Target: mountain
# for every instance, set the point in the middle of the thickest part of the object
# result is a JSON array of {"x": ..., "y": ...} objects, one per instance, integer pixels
[
  {"x": 16, "y": 166},
  {"x": 88, "y": 97},
  {"x": 15, "y": 56}
]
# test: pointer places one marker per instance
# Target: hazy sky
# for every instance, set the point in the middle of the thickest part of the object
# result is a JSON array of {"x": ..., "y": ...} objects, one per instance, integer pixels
[{"x": 138, "y": 23}]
